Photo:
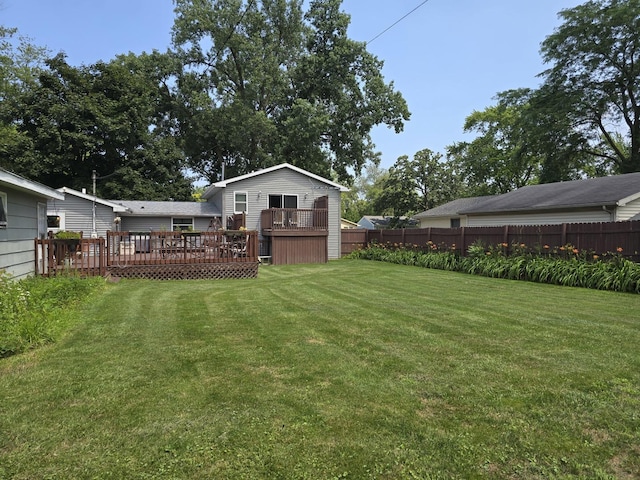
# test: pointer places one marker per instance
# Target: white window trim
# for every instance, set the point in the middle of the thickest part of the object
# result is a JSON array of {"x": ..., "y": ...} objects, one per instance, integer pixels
[
  {"x": 62, "y": 221},
  {"x": 42, "y": 220},
  {"x": 3, "y": 197},
  {"x": 173, "y": 224},
  {"x": 235, "y": 201}
]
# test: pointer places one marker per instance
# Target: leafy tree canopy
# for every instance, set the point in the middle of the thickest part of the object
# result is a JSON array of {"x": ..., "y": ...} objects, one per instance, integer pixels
[
  {"x": 113, "y": 118},
  {"x": 499, "y": 159},
  {"x": 265, "y": 82},
  {"x": 595, "y": 77},
  {"x": 415, "y": 185}
]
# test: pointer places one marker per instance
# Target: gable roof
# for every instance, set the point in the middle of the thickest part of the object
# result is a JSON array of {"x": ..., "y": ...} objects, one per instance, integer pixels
[
  {"x": 20, "y": 183},
  {"x": 213, "y": 188},
  {"x": 70, "y": 191},
  {"x": 168, "y": 209},
  {"x": 452, "y": 209},
  {"x": 616, "y": 190}
]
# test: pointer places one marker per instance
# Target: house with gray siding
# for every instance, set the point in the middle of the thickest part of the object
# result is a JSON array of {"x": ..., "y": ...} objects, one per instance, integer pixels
[
  {"x": 145, "y": 216},
  {"x": 448, "y": 215},
  {"x": 282, "y": 189},
  {"x": 296, "y": 213},
  {"x": 81, "y": 212},
  {"x": 23, "y": 217},
  {"x": 605, "y": 199}
]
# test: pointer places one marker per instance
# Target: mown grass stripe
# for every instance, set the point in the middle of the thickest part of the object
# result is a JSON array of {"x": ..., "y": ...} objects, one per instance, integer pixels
[{"x": 354, "y": 368}]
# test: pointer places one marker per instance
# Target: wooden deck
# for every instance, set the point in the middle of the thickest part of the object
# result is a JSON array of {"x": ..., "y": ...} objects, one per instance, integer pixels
[
  {"x": 294, "y": 235},
  {"x": 158, "y": 255}
]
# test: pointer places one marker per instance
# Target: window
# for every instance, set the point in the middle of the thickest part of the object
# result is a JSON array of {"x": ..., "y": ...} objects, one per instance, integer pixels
[
  {"x": 283, "y": 201},
  {"x": 3, "y": 210},
  {"x": 455, "y": 222},
  {"x": 240, "y": 202},
  {"x": 183, "y": 224},
  {"x": 54, "y": 221}
]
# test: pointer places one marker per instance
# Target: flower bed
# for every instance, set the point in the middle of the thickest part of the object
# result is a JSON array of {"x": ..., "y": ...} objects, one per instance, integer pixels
[{"x": 563, "y": 265}]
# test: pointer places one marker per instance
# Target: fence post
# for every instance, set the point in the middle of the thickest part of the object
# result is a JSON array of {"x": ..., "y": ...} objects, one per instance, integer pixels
[
  {"x": 37, "y": 270},
  {"x": 463, "y": 247},
  {"x": 563, "y": 236}
]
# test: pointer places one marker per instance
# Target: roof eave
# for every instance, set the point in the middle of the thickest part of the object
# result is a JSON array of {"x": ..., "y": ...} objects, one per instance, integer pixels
[
  {"x": 209, "y": 192},
  {"x": 540, "y": 208},
  {"x": 20, "y": 183},
  {"x": 115, "y": 206}
]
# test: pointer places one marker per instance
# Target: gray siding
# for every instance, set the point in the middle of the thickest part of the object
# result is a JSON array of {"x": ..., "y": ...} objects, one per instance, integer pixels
[
  {"x": 145, "y": 224},
  {"x": 628, "y": 211},
  {"x": 441, "y": 222},
  {"x": 78, "y": 215},
  {"x": 156, "y": 224},
  {"x": 549, "y": 218},
  {"x": 17, "y": 240},
  {"x": 284, "y": 182}
]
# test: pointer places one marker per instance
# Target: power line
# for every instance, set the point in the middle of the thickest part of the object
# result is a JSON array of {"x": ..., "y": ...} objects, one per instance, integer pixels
[{"x": 397, "y": 22}]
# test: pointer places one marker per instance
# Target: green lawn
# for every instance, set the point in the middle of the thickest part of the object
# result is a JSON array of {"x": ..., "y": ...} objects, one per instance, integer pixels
[{"x": 353, "y": 369}]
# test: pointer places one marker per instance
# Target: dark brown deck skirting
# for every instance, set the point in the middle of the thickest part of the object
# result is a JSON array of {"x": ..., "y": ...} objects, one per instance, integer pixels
[{"x": 191, "y": 271}]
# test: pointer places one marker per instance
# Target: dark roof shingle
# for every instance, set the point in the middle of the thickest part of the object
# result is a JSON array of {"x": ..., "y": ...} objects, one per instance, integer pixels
[{"x": 606, "y": 191}]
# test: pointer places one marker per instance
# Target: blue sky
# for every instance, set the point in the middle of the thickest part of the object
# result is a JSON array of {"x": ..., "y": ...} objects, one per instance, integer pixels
[{"x": 448, "y": 58}]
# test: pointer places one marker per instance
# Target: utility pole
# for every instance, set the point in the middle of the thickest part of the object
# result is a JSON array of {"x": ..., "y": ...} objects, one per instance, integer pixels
[{"x": 94, "y": 232}]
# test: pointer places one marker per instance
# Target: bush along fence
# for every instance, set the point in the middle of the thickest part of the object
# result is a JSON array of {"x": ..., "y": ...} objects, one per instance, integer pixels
[
  {"x": 599, "y": 238},
  {"x": 565, "y": 265}
]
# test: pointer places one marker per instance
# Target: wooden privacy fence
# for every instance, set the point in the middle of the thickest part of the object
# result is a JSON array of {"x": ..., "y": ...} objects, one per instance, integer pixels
[{"x": 597, "y": 237}]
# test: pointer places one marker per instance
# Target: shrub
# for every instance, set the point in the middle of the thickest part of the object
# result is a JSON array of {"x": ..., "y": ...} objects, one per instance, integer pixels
[
  {"x": 34, "y": 311},
  {"x": 564, "y": 265}
]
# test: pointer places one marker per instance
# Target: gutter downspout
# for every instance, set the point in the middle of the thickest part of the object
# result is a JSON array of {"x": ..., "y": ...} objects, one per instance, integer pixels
[{"x": 612, "y": 213}]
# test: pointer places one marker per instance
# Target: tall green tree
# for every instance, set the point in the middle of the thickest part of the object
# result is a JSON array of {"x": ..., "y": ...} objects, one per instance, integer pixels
[
  {"x": 20, "y": 64},
  {"x": 417, "y": 184},
  {"x": 501, "y": 158},
  {"x": 265, "y": 82},
  {"x": 363, "y": 194},
  {"x": 595, "y": 77},
  {"x": 113, "y": 118}
]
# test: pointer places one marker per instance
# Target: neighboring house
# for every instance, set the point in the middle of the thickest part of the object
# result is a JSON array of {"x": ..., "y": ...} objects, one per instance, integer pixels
[
  {"x": 377, "y": 222},
  {"x": 279, "y": 202},
  {"x": 82, "y": 212},
  {"x": 373, "y": 222},
  {"x": 23, "y": 217},
  {"x": 605, "y": 199},
  {"x": 346, "y": 224},
  {"x": 145, "y": 216},
  {"x": 448, "y": 215}
]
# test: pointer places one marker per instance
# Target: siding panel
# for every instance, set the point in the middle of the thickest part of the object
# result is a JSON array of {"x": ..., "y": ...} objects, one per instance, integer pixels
[
  {"x": 549, "y": 218},
  {"x": 78, "y": 213},
  {"x": 145, "y": 224},
  {"x": 627, "y": 211},
  {"x": 16, "y": 241}
]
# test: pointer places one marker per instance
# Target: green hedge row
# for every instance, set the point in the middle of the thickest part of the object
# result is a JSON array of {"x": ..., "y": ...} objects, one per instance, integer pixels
[{"x": 611, "y": 272}]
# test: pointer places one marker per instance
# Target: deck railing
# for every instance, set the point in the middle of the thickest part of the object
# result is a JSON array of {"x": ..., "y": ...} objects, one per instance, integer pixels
[
  {"x": 294, "y": 219},
  {"x": 158, "y": 248},
  {"x": 83, "y": 256}
]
